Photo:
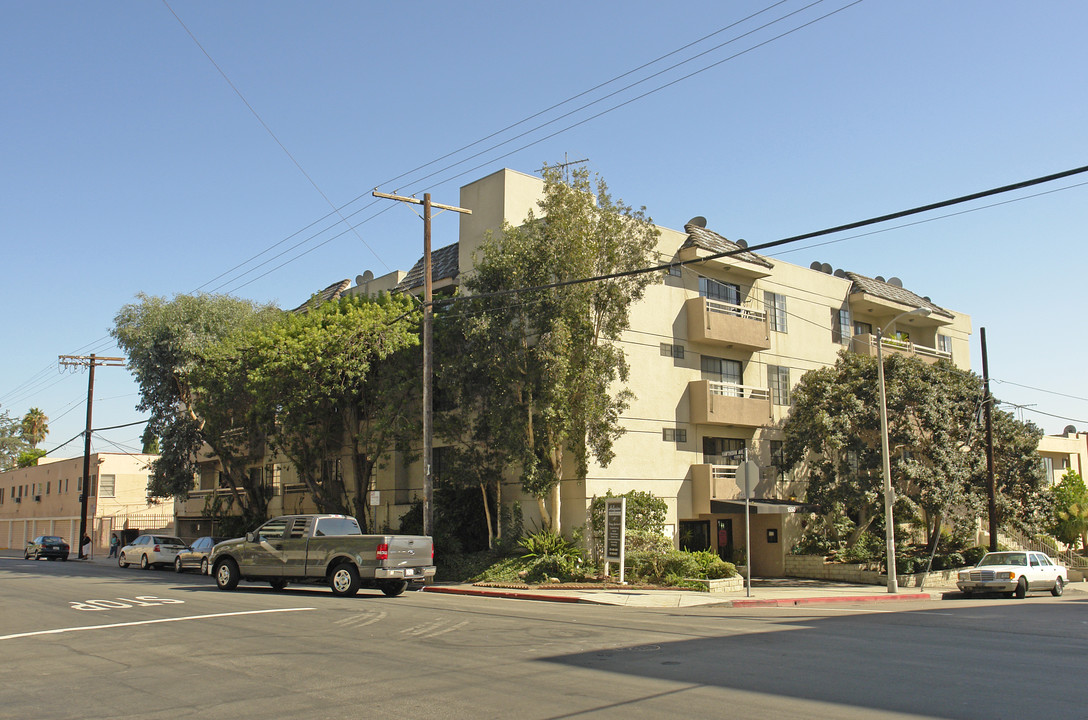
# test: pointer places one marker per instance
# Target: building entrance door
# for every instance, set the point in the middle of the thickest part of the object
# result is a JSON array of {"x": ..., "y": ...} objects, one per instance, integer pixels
[{"x": 725, "y": 540}]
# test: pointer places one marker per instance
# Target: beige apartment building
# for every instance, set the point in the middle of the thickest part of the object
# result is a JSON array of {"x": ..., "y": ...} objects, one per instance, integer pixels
[
  {"x": 45, "y": 500},
  {"x": 714, "y": 351}
]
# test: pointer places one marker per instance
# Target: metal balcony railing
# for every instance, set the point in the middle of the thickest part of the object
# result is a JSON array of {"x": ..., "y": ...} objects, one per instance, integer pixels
[
  {"x": 740, "y": 391},
  {"x": 717, "y": 306}
]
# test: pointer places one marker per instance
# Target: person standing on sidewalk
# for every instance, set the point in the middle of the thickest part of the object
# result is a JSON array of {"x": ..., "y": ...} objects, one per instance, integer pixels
[{"x": 114, "y": 544}]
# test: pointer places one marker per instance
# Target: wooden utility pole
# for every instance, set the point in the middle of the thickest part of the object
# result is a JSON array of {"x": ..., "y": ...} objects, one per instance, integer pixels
[
  {"x": 428, "y": 354},
  {"x": 90, "y": 361},
  {"x": 991, "y": 489}
]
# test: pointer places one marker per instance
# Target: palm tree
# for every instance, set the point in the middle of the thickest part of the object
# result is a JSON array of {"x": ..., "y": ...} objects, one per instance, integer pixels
[{"x": 35, "y": 427}]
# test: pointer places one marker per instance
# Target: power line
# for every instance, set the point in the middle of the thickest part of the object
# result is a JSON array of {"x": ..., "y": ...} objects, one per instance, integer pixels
[
  {"x": 565, "y": 129},
  {"x": 784, "y": 241},
  {"x": 265, "y": 126}
]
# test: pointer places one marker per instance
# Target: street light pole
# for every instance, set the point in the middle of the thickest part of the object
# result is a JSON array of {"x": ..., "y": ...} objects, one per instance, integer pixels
[{"x": 889, "y": 496}]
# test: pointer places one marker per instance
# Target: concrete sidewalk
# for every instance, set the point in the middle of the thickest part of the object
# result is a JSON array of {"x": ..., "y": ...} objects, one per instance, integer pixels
[{"x": 781, "y": 592}]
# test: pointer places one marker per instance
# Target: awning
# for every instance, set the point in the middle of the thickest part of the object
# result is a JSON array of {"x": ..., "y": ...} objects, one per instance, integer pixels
[{"x": 760, "y": 506}]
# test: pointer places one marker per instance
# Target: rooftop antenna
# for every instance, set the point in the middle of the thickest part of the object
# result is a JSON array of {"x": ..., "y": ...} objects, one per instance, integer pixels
[{"x": 565, "y": 166}]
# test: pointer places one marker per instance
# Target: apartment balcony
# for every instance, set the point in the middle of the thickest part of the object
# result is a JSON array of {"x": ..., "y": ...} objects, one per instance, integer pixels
[
  {"x": 718, "y": 403},
  {"x": 866, "y": 345},
  {"x": 721, "y": 323}
]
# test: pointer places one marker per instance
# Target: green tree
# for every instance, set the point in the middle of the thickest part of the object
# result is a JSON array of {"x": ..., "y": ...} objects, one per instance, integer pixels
[
  {"x": 35, "y": 427},
  {"x": 548, "y": 373},
  {"x": 166, "y": 341},
  {"x": 334, "y": 381},
  {"x": 1070, "y": 521},
  {"x": 12, "y": 443},
  {"x": 832, "y": 435}
]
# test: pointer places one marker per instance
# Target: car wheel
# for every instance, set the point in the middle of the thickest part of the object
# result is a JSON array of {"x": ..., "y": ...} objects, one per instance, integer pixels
[
  {"x": 394, "y": 587},
  {"x": 278, "y": 585},
  {"x": 121, "y": 560},
  {"x": 344, "y": 580},
  {"x": 204, "y": 566},
  {"x": 1058, "y": 589},
  {"x": 1021, "y": 591},
  {"x": 177, "y": 565},
  {"x": 144, "y": 564},
  {"x": 227, "y": 575}
]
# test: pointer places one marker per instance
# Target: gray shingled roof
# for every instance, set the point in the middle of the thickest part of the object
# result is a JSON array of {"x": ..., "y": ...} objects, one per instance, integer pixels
[
  {"x": 332, "y": 292},
  {"x": 709, "y": 240},
  {"x": 444, "y": 265},
  {"x": 892, "y": 292}
]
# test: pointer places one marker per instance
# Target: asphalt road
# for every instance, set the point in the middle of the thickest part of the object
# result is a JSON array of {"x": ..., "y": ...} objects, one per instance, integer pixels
[{"x": 89, "y": 641}]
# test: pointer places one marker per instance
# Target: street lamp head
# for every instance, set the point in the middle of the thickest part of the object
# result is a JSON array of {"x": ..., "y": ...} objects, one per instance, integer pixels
[{"x": 918, "y": 312}]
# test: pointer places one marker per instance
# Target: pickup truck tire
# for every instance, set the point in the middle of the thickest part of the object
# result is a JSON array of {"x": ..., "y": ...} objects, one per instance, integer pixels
[
  {"x": 344, "y": 580},
  {"x": 1058, "y": 589},
  {"x": 227, "y": 575},
  {"x": 393, "y": 588}
]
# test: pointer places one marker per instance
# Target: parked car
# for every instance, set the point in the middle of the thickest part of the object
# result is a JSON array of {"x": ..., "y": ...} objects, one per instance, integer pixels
[
  {"x": 196, "y": 555},
  {"x": 1014, "y": 573},
  {"x": 46, "y": 546},
  {"x": 151, "y": 550}
]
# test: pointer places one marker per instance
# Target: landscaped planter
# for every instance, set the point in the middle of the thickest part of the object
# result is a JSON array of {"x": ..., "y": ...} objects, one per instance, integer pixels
[
  {"x": 720, "y": 585},
  {"x": 816, "y": 567}
]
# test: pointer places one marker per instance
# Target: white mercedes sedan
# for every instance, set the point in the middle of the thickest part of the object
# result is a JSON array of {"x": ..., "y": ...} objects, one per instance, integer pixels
[{"x": 1014, "y": 572}]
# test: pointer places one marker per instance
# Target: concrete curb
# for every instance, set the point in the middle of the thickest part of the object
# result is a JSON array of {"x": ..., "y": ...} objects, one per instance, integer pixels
[
  {"x": 509, "y": 594},
  {"x": 788, "y": 602}
]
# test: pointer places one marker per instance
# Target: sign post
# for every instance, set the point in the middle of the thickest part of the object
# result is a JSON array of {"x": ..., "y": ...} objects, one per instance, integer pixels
[
  {"x": 615, "y": 531},
  {"x": 747, "y": 477}
]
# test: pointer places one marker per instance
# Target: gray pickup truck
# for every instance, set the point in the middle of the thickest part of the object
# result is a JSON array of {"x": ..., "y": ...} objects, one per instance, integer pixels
[{"x": 323, "y": 549}]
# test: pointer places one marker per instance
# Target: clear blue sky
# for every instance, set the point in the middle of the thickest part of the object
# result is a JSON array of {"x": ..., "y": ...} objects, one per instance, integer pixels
[{"x": 129, "y": 164}]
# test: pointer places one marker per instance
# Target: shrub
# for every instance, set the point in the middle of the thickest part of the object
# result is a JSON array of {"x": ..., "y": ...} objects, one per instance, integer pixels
[
  {"x": 548, "y": 543},
  {"x": 562, "y": 567}
]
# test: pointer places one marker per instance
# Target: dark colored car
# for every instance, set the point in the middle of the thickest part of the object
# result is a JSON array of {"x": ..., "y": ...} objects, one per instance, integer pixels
[
  {"x": 196, "y": 556},
  {"x": 46, "y": 546}
]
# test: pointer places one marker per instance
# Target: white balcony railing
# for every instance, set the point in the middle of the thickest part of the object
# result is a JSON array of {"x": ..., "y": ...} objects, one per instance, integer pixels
[
  {"x": 740, "y": 391},
  {"x": 907, "y": 347},
  {"x": 717, "y": 306}
]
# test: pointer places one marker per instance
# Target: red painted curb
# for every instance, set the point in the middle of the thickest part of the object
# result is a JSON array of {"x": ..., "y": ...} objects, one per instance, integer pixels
[
  {"x": 787, "y": 602},
  {"x": 500, "y": 594}
]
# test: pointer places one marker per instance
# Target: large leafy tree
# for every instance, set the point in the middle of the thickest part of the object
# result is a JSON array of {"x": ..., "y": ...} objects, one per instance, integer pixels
[
  {"x": 12, "y": 443},
  {"x": 547, "y": 372},
  {"x": 335, "y": 381},
  {"x": 166, "y": 341},
  {"x": 832, "y": 435},
  {"x": 35, "y": 426}
]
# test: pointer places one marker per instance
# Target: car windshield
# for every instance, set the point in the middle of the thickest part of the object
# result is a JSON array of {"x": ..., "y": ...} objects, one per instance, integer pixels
[
  {"x": 52, "y": 539},
  {"x": 1005, "y": 558}
]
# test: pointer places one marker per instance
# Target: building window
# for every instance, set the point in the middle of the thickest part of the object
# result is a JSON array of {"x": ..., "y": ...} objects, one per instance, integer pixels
[
  {"x": 944, "y": 343},
  {"x": 674, "y": 351},
  {"x": 863, "y": 328},
  {"x": 722, "y": 370},
  {"x": 678, "y": 435},
  {"x": 722, "y": 292},
  {"x": 778, "y": 380},
  {"x": 840, "y": 326},
  {"x": 1048, "y": 467},
  {"x": 723, "y": 451},
  {"x": 775, "y": 305},
  {"x": 777, "y": 454},
  {"x": 107, "y": 486},
  {"x": 675, "y": 270}
]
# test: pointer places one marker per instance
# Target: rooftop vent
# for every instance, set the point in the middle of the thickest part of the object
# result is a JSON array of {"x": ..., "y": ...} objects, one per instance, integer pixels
[
  {"x": 840, "y": 273},
  {"x": 698, "y": 221},
  {"x": 814, "y": 265},
  {"x": 743, "y": 243},
  {"x": 826, "y": 268},
  {"x": 895, "y": 282}
]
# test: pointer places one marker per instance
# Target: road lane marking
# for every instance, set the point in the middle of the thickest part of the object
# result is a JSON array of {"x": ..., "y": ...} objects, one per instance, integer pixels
[{"x": 58, "y": 631}]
